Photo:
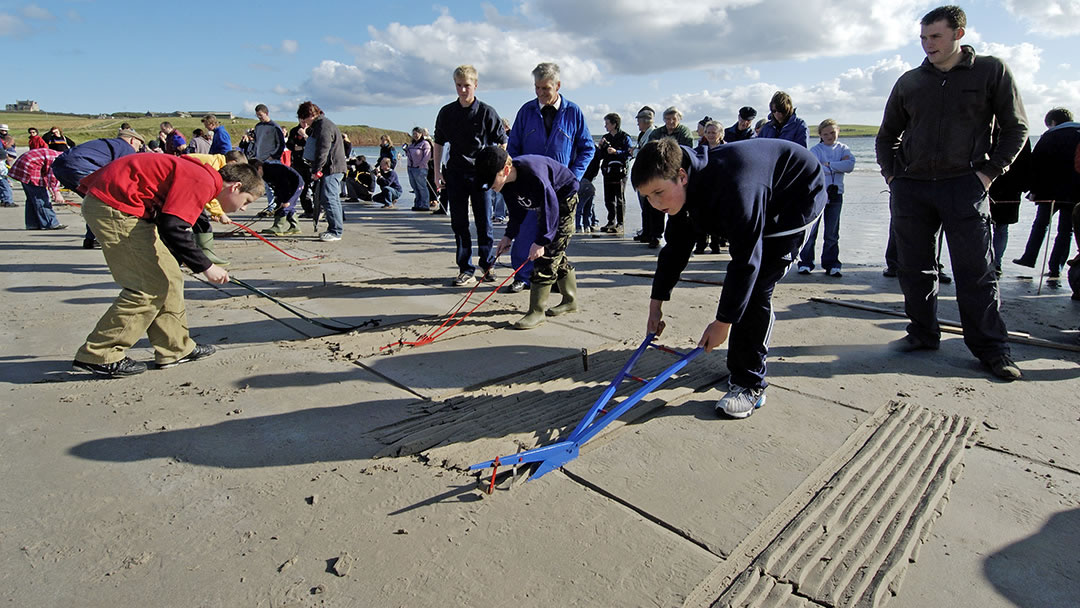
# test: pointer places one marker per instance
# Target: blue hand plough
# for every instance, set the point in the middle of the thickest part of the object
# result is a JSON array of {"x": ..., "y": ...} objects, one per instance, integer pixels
[{"x": 551, "y": 457}]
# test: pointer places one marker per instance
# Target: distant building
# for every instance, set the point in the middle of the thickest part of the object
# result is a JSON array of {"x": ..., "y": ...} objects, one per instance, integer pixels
[
  {"x": 218, "y": 115},
  {"x": 28, "y": 105}
]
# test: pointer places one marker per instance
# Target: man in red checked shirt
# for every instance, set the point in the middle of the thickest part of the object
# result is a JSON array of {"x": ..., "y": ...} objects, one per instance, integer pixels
[
  {"x": 141, "y": 208},
  {"x": 34, "y": 171}
]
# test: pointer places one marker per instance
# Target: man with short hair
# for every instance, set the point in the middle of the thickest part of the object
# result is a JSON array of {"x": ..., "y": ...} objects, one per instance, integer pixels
[
  {"x": 645, "y": 129},
  {"x": 172, "y": 140},
  {"x": 467, "y": 125},
  {"x": 1054, "y": 185},
  {"x": 743, "y": 127},
  {"x": 269, "y": 141},
  {"x": 551, "y": 126},
  {"x": 221, "y": 142},
  {"x": 935, "y": 152}
]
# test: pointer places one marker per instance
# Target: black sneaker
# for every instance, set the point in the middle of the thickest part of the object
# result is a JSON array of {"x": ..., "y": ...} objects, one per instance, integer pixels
[
  {"x": 889, "y": 272},
  {"x": 1003, "y": 367},
  {"x": 91, "y": 244},
  {"x": 117, "y": 369},
  {"x": 654, "y": 244},
  {"x": 489, "y": 276},
  {"x": 910, "y": 343},
  {"x": 201, "y": 351}
]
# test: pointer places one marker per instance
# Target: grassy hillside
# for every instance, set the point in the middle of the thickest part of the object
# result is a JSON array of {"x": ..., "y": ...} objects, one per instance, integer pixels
[{"x": 83, "y": 128}]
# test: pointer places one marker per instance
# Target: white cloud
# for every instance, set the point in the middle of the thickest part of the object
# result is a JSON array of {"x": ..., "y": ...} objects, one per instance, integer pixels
[
  {"x": 11, "y": 25},
  {"x": 74, "y": 16},
  {"x": 33, "y": 11},
  {"x": 594, "y": 42},
  {"x": 1049, "y": 17},
  {"x": 289, "y": 46}
]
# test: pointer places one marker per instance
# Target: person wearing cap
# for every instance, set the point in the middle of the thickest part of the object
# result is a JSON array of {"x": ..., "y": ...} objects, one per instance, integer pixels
[
  {"x": 743, "y": 127},
  {"x": 73, "y": 165},
  {"x": 536, "y": 186},
  {"x": 701, "y": 128},
  {"x": 674, "y": 128},
  {"x": 555, "y": 127},
  {"x": 765, "y": 196}
]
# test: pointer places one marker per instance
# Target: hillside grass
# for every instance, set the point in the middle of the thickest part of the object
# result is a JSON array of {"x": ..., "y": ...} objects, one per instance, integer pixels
[{"x": 84, "y": 128}]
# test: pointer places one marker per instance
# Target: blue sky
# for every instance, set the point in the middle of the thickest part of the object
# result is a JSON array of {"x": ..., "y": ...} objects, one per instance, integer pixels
[{"x": 389, "y": 63}]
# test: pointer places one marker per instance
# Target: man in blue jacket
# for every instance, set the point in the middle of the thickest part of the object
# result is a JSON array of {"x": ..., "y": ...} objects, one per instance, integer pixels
[
  {"x": 82, "y": 160},
  {"x": 765, "y": 195},
  {"x": 550, "y": 126}
]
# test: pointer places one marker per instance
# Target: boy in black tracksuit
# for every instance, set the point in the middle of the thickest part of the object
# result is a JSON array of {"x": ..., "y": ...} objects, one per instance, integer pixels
[{"x": 765, "y": 195}]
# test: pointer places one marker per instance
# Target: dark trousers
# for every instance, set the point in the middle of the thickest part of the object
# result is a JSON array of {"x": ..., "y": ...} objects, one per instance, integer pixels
[
  {"x": 652, "y": 220},
  {"x": 920, "y": 209},
  {"x": 748, "y": 341},
  {"x": 1059, "y": 254},
  {"x": 461, "y": 190},
  {"x": 305, "y": 194},
  {"x": 615, "y": 200}
]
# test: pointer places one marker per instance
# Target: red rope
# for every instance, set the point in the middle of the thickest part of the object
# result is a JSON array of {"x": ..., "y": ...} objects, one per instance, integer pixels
[
  {"x": 287, "y": 254},
  {"x": 431, "y": 336}
]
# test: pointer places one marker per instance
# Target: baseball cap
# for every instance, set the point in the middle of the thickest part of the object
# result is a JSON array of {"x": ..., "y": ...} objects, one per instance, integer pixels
[
  {"x": 645, "y": 112},
  {"x": 4, "y": 128},
  {"x": 489, "y": 161},
  {"x": 747, "y": 113}
]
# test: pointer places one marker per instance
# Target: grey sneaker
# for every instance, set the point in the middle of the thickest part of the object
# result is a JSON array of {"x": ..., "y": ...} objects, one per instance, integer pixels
[
  {"x": 464, "y": 279},
  {"x": 201, "y": 351},
  {"x": 329, "y": 237},
  {"x": 117, "y": 369},
  {"x": 740, "y": 402}
]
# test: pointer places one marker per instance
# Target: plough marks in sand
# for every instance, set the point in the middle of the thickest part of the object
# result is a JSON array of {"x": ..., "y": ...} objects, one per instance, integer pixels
[
  {"x": 853, "y": 542},
  {"x": 535, "y": 409}
]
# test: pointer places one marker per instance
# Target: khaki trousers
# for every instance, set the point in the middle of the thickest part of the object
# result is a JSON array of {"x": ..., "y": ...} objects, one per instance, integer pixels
[{"x": 151, "y": 301}]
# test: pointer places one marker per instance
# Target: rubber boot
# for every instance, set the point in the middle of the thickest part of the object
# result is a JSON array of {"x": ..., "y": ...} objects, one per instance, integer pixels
[
  {"x": 538, "y": 296},
  {"x": 205, "y": 241},
  {"x": 278, "y": 228},
  {"x": 568, "y": 288},
  {"x": 294, "y": 226}
]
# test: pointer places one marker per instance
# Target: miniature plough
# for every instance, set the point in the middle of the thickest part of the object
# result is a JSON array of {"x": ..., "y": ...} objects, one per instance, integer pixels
[{"x": 551, "y": 457}]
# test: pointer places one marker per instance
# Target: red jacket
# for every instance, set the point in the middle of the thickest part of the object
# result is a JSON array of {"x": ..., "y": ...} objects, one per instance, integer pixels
[{"x": 144, "y": 185}]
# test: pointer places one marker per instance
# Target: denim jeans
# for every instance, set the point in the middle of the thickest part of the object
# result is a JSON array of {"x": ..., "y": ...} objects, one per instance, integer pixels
[
  {"x": 418, "y": 183},
  {"x": 39, "y": 212},
  {"x": 461, "y": 190},
  {"x": 498, "y": 207},
  {"x": 328, "y": 199},
  {"x": 6, "y": 195},
  {"x": 830, "y": 248},
  {"x": 586, "y": 213},
  {"x": 387, "y": 197},
  {"x": 1059, "y": 254},
  {"x": 920, "y": 209}
]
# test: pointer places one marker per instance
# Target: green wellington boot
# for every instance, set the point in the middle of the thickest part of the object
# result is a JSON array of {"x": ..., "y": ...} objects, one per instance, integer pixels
[
  {"x": 294, "y": 227},
  {"x": 205, "y": 241},
  {"x": 278, "y": 228},
  {"x": 568, "y": 289},
  {"x": 538, "y": 295}
]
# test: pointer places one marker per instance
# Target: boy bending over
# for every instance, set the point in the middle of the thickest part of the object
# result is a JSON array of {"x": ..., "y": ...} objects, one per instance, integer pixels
[
  {"x": 765, "y": 195},
  {"x": 141, "y": 207},
  {"x": 536, "y": 183}
]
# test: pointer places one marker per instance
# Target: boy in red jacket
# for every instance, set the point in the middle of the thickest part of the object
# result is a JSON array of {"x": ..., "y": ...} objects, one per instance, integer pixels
[{"x": 141, "y": 208}]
